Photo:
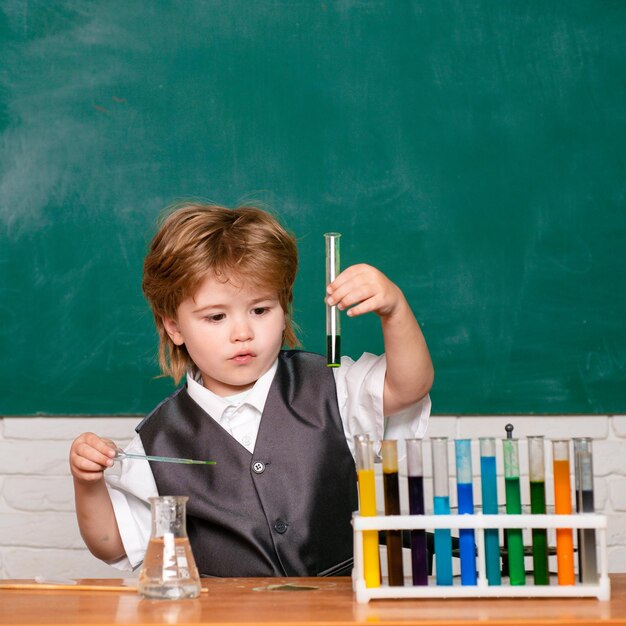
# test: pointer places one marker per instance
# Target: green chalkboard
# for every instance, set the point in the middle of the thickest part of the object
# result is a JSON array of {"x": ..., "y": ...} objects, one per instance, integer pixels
[{"x": 474, "y": 151}]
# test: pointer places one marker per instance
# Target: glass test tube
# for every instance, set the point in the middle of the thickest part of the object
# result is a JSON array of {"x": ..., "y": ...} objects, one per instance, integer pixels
[
  {"x": 441, "y": 501},
  {"x": 391, "y": 491},
  {"x": 563, "y": 506},
  {"x": 583, "y": 464},
  {"x": 489, "y": 488},
  {"x": 333, "y": 322},
  {"x": 415, "y": 472},
  {"x": 537, "y": 477},
  {"x": 465, "y": 496},
  {"x": 515, "y": 540},
  {"x": 367, "y": 508}
]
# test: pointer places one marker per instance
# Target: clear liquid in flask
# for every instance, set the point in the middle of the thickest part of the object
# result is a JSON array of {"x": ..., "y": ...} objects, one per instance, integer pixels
[{"x": 169, "y": 570}]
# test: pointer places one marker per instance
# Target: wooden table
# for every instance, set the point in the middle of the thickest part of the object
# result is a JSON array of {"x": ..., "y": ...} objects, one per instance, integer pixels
[{"x": 248, "y": 601}]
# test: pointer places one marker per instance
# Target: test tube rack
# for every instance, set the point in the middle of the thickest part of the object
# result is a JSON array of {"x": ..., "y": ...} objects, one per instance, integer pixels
[{"x": 478, "y": 522}]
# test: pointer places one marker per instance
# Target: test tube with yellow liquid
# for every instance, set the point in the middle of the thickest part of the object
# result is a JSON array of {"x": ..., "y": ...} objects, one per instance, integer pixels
[
  {"x": 367, "y": 508},
  {"x": 563, "y": 506}
]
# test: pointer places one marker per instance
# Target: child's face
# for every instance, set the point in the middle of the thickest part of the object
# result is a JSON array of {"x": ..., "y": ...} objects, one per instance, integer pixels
[{"x": 233, "y": 334}]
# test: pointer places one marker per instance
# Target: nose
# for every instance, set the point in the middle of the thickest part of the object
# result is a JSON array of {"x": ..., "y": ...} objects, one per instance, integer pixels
[{"x": 241, "y": 330}]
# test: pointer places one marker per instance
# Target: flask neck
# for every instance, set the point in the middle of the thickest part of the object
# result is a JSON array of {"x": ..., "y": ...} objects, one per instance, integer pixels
[{"x": 169, "y": 516}]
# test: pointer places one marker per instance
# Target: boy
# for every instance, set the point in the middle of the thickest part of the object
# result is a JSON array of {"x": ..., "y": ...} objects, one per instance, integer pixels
[{"x": 279, "y": 423}]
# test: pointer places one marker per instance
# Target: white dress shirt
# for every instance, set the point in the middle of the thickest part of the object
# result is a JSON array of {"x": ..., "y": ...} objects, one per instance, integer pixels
[{"x": 360, "y": 398}]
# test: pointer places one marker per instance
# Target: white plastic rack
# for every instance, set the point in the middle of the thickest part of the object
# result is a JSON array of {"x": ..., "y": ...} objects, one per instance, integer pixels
[{"x": 478, "y": 521}]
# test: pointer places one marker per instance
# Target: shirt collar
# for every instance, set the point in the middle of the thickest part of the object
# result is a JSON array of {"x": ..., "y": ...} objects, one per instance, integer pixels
[{"x": 215, "y": 405}]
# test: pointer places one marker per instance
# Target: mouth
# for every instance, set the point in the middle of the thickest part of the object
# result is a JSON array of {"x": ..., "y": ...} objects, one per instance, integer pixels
[{"x": 243, "y": 357}]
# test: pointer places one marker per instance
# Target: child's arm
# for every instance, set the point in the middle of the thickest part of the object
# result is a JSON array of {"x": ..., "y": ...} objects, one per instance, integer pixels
[
  {"x": 410, "y": 373},
  {"x": 90, "y": 455}
]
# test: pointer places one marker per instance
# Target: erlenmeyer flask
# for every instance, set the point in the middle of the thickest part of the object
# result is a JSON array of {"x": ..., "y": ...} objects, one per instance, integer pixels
[{"x": 169, "y": 570}]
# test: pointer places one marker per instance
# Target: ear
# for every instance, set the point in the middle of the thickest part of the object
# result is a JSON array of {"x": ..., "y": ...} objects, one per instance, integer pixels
[{"x": 172, "y": 329}]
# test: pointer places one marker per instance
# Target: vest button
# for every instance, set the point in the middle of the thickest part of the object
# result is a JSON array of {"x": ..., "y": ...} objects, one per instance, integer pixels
[
  {"x": 258, "y": 467},
  {"x": 280, "y": 527}
]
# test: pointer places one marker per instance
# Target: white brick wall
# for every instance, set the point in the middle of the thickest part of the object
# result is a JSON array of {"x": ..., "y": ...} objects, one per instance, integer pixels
[{"x": 38, "y": 530}]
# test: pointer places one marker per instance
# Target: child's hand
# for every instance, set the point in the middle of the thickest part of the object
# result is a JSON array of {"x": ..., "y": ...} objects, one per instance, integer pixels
[
  {"x": 90, "y": 455},
  {"x": 365, "y": 289}
]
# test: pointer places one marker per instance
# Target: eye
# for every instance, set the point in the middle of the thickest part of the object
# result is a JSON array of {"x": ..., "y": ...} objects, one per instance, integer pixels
[
  {"x": 218, "y": 317},
  {"x": 260, "y": 310}
]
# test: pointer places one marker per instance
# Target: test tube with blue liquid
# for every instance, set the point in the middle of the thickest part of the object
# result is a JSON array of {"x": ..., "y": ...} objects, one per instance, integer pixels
[
  {"x": 465, "y": 496},
  {"x": 415, "y": 476},
  {"x": 333, "y": 323},
  {"x": 583, "y": 468},
  {"x": 441, "y": 502},
  {"x": 515, "y": 539},
  {"x": 537, "y": 478},
  {"x": 489, "y": 488}
]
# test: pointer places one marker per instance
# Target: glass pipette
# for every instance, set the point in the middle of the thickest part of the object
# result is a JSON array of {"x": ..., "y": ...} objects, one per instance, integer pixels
[{"x": 120, "y": 454}]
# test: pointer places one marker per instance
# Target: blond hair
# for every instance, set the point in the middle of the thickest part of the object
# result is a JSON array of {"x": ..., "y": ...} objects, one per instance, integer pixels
[{"x": 194, "y": 240}]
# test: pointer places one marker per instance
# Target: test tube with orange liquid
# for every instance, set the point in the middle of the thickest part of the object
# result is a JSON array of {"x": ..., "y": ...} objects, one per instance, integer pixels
[
  {"x": 563, "y": 506},
  {"x": 367, "y": 508}
]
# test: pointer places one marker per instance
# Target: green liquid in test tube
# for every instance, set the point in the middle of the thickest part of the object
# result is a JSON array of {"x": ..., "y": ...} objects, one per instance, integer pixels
[
  {"x": 441, "y": 501},
  {"x": 537, "y": 476},
  {"x": 333, "y": 323},
  {"x": 489, "y": 488},
  {"x": 583, "y": 471},
  {"x": 515, "y": 540}
]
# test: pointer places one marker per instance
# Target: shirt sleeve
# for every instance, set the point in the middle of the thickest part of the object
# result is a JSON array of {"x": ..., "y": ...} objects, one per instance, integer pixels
[
  {"x": 129, "y": 489},
  {"x": 360, "y": 387}
]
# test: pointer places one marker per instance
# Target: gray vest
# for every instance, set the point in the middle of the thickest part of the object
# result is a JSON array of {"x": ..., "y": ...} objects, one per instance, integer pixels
[{"x": 284, "y": 510}]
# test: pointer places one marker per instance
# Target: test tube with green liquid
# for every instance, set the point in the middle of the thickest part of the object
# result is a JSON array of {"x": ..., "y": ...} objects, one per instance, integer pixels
[
  {"x": 441, "y": 501},
  {"x": 391, "y": 490},
  {"x": 367, "y": 508},
  {"x": 333, "y": 322},
  {"x": 537, "y": 477},
  {"x": 515, "y": 540},
  {"x": 489, "y": 488},
  {"x": 583, "y": 464}
]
